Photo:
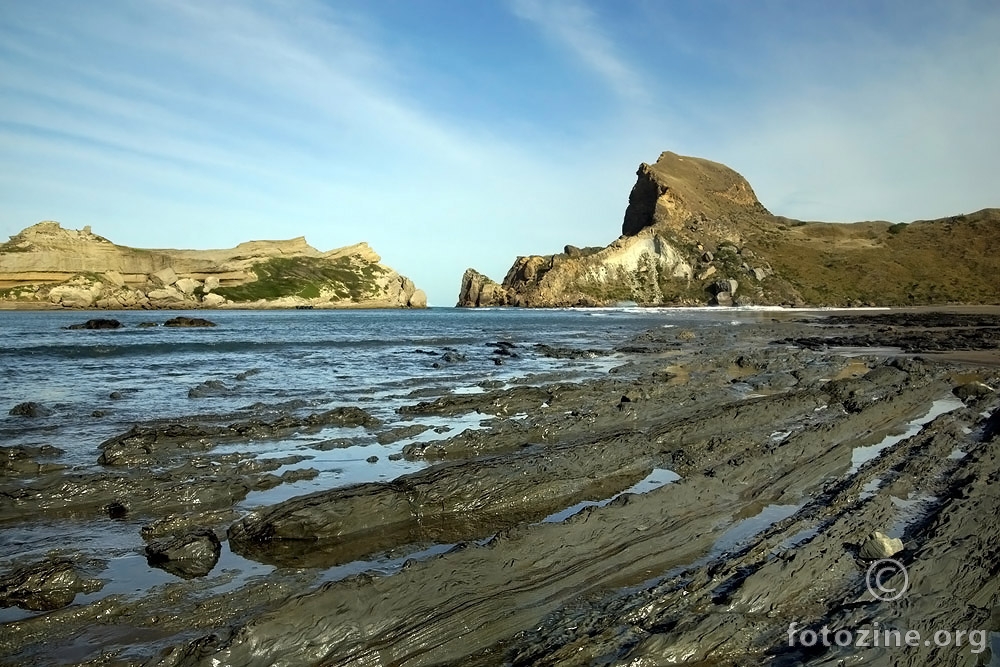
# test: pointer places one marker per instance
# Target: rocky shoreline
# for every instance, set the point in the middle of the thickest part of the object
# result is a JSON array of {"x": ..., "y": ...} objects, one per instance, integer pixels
[
  {"x": 48, "y": 267},
  {"x": 714, "y": 488}
]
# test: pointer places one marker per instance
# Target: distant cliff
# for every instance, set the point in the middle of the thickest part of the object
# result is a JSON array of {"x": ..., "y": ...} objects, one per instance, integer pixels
[
  {"x": 694, "y": 233},
  {"x": 46, "y": 264}
]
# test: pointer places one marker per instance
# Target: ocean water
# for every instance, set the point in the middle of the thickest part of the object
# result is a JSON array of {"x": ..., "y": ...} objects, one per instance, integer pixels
[
  {"x": 302, "y": 361},
  {"x": 374, "y": 359}
]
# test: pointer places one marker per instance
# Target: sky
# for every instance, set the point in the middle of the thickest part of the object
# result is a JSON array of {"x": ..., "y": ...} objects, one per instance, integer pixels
[{"x": 451, "y": 134}]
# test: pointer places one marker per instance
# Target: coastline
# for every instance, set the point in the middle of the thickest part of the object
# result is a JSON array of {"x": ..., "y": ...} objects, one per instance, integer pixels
[{"x": 758, "y": 525}]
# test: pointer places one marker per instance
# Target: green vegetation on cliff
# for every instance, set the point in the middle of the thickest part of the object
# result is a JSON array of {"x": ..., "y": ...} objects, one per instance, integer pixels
[{"x": 307, "y": 277}]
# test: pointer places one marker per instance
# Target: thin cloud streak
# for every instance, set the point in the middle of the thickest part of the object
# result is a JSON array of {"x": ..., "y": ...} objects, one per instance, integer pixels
[{"x": 573, "y": 25}]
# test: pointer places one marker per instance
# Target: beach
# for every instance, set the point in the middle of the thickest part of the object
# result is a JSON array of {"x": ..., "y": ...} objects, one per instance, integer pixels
[{"x": 617, "y": 486}]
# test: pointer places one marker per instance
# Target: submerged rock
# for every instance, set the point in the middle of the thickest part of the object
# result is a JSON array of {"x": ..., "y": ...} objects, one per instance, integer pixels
[
  {"x": 30, "y": 409},
  {"x": 210, "y": 389}
]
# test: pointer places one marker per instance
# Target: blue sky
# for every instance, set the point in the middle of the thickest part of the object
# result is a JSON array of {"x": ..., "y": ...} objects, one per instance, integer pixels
[{"x": 455, "y": 133}]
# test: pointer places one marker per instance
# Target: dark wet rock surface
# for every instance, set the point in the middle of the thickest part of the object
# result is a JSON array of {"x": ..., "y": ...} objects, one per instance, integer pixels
[
  {"x": 911, "y": 332},
  {"x": 148, "y": 443},
  {"x": 190, "y": 555},
  {"x": 24, "y": 460},
  {"x": 44, "y": 586},
  {"x": 530, "y": 538}
]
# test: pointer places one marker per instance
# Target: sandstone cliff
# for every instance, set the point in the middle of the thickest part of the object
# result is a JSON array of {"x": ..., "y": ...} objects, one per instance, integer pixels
[
  {"x": 46, "y": 264},
  {"x": 694, "y": 233}
]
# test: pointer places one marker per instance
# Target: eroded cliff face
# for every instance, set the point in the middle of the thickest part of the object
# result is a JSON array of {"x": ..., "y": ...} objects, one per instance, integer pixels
[
  {"x": 675, "y": 190},
  {"x": 46, "y": 264},
  {"x": 659, "y": 259},
  {"x": 694, "y": 233}
]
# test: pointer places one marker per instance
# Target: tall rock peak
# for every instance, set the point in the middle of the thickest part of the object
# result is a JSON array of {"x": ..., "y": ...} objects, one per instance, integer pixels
[{"x": 677, "y": 188}]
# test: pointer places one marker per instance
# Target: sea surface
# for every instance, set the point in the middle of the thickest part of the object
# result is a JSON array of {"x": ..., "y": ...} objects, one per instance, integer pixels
[
  {"x": 307, "y": 360},
  {"x": 375, "y": 359}
]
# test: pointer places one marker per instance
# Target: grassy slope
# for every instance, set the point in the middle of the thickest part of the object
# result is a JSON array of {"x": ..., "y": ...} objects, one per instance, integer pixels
[
  {"x": 954, "y": 260},
  {"x": 306, "y": 277}
]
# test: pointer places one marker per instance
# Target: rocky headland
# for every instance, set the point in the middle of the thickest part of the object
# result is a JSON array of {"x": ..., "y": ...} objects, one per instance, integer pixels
[
  {"x": 46, "y": 265},
  {"x": 694, "y": 233}
]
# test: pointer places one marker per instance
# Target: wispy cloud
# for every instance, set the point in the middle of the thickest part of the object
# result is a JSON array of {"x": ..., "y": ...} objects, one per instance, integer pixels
[
  {"x": 442, "y": 132},
  {"x": 574, "y": 26}
]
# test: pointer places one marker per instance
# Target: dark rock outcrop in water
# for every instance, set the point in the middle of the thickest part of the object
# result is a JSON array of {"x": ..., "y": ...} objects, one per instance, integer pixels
[
  {"x": 46, "y": 265},
  {"x": 97, "y": 324},
  {"x": 188, "y": 556},
  {"x": 693, "y": 225},
  {"x": 188, "y": 322},
  {"x": 29, "y": 409}
]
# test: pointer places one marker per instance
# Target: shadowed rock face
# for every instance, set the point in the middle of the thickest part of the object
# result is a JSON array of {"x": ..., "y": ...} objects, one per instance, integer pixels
[
  {"x": 691, "y": 223},
  {"x": 46, "y": 264},
  {"x": 676, "y": 188}
]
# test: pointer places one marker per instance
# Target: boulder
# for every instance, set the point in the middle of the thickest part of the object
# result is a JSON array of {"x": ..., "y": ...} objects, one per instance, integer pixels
[
  {"x": 878, "y": 545},
  {"x": 74, "y": 296},
  {"x": 187, "y": 285},
  {"x": 30, "y": 409},
  {"x": 166, "y": 295},
  {"x": 187, "y": 556},
  {"x": 418, "y": 299},
  {"x": 723, "y": 299},
  {"x": 707, "y": 273},
  {"x": 165, "y": 277},
  {"x": 211, "y": 283},
  {"x": 971, "y": 390},
  {"x": 114, "y": 278},
  {"x": 213, "y": 300},
  {"x": 724, "y": 285}
]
